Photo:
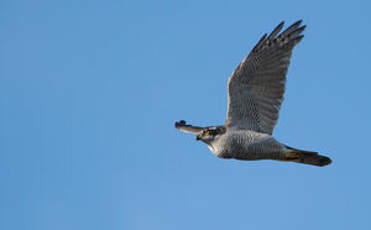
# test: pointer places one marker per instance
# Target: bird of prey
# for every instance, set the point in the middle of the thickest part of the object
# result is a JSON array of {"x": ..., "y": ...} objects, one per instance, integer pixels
[{"x": 255, "y": 95}]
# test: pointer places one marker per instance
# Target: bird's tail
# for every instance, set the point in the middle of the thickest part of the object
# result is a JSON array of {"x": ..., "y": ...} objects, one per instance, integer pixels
[{"x": 306, "y": 157}]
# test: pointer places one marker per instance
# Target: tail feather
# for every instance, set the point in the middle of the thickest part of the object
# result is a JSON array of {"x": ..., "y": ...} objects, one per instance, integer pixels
[{"x": 307, "y": 157}]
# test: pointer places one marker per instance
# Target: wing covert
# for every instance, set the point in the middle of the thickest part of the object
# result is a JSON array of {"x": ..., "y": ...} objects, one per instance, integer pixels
[
  {"x": 182, "y": 126},
  {"x": 256, "y": 87}
]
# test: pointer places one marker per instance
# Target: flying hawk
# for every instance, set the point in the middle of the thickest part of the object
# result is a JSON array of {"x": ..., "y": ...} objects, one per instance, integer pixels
[{"x": 255, "y": 95}]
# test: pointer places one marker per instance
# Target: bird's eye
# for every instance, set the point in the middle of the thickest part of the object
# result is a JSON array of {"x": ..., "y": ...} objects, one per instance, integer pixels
[{"x": 207, "y": 133}]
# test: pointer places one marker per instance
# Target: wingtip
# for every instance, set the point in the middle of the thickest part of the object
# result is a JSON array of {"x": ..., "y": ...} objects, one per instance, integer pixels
[
  {"x": 299, "y": 21},
  {"x": 275, "y": 31},
  {"x": 281, "y": 23},
  {"x": 179, "y": 124}
]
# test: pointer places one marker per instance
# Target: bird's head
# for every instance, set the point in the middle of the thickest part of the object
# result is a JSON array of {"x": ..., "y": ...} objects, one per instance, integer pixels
[{"x": 209, "y": 134}]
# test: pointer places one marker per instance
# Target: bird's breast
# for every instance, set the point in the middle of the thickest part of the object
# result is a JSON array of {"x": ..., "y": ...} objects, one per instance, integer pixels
[{"x": 239, "y": 142}]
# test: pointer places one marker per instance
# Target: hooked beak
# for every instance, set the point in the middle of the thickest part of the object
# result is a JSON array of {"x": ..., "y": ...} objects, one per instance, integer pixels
[{"x": 198, "y": 136}]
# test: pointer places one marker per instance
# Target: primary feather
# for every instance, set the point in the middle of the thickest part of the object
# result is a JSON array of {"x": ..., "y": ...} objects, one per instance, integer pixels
[
  {"x": 256, "y": 87},
  {"x": 255, "y": 95}
]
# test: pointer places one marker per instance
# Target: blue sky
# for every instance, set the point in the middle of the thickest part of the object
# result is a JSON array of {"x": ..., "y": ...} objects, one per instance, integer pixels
[{"x": 90, "y": 90}]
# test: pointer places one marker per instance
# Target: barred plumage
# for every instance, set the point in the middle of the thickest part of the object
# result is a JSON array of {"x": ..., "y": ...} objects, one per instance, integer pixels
[
  {"x": 257, "y": 85},
  {"x": 255, "y": 95}
]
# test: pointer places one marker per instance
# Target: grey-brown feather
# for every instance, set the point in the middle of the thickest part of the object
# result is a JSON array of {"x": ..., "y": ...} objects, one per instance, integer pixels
[
  {"x": 248, "y": 145},
  {"x": 255, "y": 95},
  {"x": 256, "y": 87},
  {"x": 181, "y": 125}
]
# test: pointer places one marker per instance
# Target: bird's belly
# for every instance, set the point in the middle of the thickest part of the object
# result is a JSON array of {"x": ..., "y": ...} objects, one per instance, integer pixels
[{"x": 247, "y": 146}]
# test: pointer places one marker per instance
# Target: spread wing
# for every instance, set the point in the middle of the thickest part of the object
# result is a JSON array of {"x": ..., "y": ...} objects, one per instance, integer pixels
[
  {"x": 256, "y": 87},
  {"x": 181, "y": 125}
]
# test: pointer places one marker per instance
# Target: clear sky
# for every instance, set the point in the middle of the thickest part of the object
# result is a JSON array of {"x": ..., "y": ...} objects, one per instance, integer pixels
[{"x": 90, "y": 91}]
